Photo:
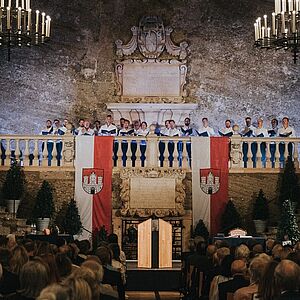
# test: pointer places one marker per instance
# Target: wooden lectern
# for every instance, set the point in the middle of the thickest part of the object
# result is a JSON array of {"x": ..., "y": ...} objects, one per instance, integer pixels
[{"x": 155, "y": 244}]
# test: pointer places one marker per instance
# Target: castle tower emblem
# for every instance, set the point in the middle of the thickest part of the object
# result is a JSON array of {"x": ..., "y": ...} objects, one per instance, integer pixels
[
  {"x": 210, "y": 181},
  {"x": 92, "y": 180}
]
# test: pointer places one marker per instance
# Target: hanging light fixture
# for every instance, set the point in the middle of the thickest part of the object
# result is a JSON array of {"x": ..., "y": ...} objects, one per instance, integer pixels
[
  {"x": 21, "y": 26},
  {"x": 281, "y": 31}
]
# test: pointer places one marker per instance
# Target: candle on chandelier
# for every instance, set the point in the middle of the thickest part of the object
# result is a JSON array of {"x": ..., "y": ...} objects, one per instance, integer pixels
[
  {"x": 283, "y": 6},
  {"x": 273, "y": 23},
  {"x": 37, "y": 21},
  {"x": 259, "y": 26},
  {"x": 19, "y": 18},
  {"x": 263, "y": 31},
  {"x": 268, "y": 32},
  {"x": 1, "y": 20},
  {"x": 9, "y": 3},
  {"x": 256, "y": 32},
  {"x": 29, "y": 20},
  {"x": 294, "y": 22},
  {"x": 265, "y": 21},
  {"x": 48, "y": 20},
  {"x": 282, "y": 22},
  {"x": 43, "y": 23},
  {"x": 277, "y": 7},
  {"x": 23, "y": 5},
  {"x": 8, "y": 18},
  {"x": 297, "y": 5},
  {"x": 27, "y": 4},
  {"x": 2, "y": 3},
  {"x": 291, "y": 2},
  {"x": 17, "y": 4}
]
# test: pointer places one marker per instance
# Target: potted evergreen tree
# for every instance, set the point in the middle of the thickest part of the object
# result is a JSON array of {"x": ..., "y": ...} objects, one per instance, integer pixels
[
  {"x": 44, "y": 206},
  {"x": 13, "y": 187},
  {"x": 230, "y": 218},
  {"x": 201, "y": 230},
  {"x": 260, "y": 212},
  {"x": 71, "y": 223}
]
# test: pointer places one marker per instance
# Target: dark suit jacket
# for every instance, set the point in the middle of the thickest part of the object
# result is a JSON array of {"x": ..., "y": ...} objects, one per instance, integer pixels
[
  {"x": 199, "y": 261},
  {"x": 290, "y": 296},
  {"x": 114, "y": 278},
  {"x": 9, "y": 283},
  {"x": 231, "y": 286}
]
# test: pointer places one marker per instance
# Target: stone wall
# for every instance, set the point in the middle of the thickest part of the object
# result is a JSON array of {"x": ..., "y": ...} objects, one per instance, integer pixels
[
  {"x": 61, "y": 181},
  {"x": 73, "y": 76}
]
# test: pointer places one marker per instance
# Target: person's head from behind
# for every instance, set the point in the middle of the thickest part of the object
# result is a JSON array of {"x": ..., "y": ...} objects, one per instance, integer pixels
[
  {"x": 55, "y": 292},
  {"x": 211, "y": 249},
  {"x": 257, "y": 268},
  {"x": 242, "y": 252},
  {"x": 18, "y": 259},
  {"x": 79, "y": 288},
  {"x": 267, "y": 288},
  {"x": 287, "y": 276},
  {"x": 5, "y": 256},
  {"x": 115, "y": 249},
  {"x": 95, "y": 267},
  {"x": 226, "y": 266},
  {"x": 104, "y": 254},
  {"x": 221, "y": 253},
  {"x": 64, "y": 265},
  {"x": 238, "y": 266},
  {"x": 201, "y": 248},
  {"x": 33, "y": 278},
  {"x": 112, "y": 238},
  {"x": 276, "y": 251}
]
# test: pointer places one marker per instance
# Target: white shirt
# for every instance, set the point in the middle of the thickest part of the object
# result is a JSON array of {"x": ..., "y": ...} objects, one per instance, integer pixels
[
  {"x": 174, "y": 132},
  {"x": 142, "y": 132},
  {"x": 108, "y": 130},
  {"x": 261, "y": 131},
  {"x": 287, "y": 130},
  {"x": 210, "y": 131},
  {"x": 85, "y": 131}
]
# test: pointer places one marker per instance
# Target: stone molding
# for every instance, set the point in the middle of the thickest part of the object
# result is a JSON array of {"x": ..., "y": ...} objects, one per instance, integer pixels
[{"x": 127, "y": 173}]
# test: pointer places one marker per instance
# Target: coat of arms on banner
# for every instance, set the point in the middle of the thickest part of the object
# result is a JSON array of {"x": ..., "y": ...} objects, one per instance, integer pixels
[
  {"x": 92, "y": 180},
  {"x": 210, "y": 180}
]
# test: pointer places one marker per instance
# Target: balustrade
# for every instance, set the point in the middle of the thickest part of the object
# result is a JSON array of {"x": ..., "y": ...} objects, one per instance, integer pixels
[{"x": 261, "y": 154}]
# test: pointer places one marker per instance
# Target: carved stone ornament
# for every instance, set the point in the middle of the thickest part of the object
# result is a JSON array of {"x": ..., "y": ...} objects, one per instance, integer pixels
[
  {"x": 151, "y": 38},
  {"x": 146, "y": 174},
  {"x": 236, "y": 152}
]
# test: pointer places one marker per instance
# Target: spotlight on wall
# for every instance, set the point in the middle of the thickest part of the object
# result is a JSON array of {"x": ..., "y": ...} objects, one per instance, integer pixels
[
  {"x": 21, "y": 26},
  {"x": 281, "y": 31}
]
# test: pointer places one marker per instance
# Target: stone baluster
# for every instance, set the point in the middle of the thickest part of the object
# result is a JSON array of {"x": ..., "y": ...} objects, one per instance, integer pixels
[
  {"x": 249, "y": 156},
  {"x": 176, "y": 154},
  {"x": 138, "y": 162},
  {"x": 18, "y": 155},
  {"x": 165, "y": 154},
  {"x": 119, "y": 154},
  {"x": 152, "y": 151},
  {"x": 54, "y": 155},
  {"x": 185, "y": 159},
  {"x": 277, "y": 156},
  {"x": 129, "y": 154},
  {"x": 36, "y": 153},
  {"x": 268, "y": 156},
  {"x": 259, "y": 155},
  {"x": 7, "y": 153},
  {"x": 296, "y": 155},
  {"x": 25, "y": 155},
  {"x": 286, "y": 151},
  {"x": 45, "y": 154}
]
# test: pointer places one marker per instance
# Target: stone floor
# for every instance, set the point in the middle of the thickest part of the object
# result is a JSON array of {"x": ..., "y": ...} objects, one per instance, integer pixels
[{"x": 153, "y": 295}]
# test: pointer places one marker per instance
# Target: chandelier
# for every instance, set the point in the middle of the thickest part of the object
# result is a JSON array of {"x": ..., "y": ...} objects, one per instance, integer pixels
[
  {"x": 20, "y": 26},
  {"x": 281, "y": 31}
]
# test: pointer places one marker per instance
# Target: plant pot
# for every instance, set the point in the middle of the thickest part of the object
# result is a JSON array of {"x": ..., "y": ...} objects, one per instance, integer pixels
[
  {"x": 260, "y": 226},
  {"x": 42, "y": 223},
  {"x": 12, "y": 206}
]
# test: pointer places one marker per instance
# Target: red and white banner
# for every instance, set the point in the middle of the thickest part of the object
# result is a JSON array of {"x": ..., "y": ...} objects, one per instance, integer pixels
[
  {"x": 210, "y": 157},
  {"x": 93, "y": 181}
]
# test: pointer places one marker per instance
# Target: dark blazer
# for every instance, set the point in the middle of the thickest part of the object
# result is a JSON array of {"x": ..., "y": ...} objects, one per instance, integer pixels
[
  {"x": 113, "y": 277},
  {"x": 289, "y": 296},
  {"x": 231, "y": 286},
  {"x": 199, "y": 261},
  {"x": 9, "y": 282}
]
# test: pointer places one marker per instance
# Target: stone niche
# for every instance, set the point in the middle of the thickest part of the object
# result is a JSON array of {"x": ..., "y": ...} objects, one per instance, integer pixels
[
  {"x": 150, "y": 88},
  {"x": 147, "y": 192}
]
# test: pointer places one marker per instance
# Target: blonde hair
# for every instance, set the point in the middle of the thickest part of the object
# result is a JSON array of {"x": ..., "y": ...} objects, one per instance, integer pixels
[
  {"x": 221, "y": 253},
  {"x": 18, "y": 260},
  {"x": 95, "y": 267},
  {"x": 80, "y": 289},
  {"x": 242, "y": 252},
  {"x": 55, "y": 292}
]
